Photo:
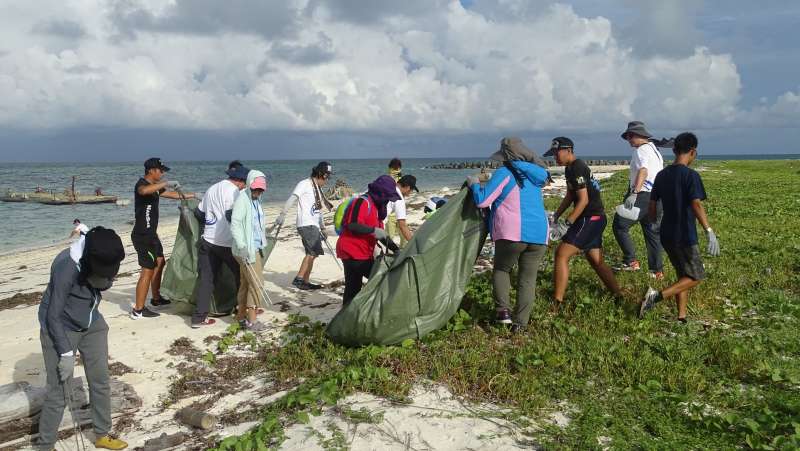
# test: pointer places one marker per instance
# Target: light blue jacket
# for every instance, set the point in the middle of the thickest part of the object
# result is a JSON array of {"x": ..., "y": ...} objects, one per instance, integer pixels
[{"x": 242, "y": 222}]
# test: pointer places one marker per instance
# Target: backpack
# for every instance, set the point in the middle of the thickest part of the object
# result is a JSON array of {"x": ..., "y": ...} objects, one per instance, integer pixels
[{"x": 341, "y": 212}]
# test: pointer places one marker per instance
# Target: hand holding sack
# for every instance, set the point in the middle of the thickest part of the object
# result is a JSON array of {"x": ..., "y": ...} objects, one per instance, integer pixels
[
  {"x": 559, "y": 230},
  {"x": 174, "y": 185},
  {"x": 630, "y": 201}
]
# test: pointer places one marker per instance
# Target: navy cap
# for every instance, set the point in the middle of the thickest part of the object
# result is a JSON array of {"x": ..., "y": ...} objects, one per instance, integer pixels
[{"x": 155, "y": 163}]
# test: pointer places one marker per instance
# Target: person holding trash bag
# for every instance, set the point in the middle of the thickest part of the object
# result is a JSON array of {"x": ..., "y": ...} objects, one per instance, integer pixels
[
  {"x": 518, "y": 226},
  {"x": 70, "y": 322},
  {"x": 249, "y": 241},
  {"x": 362, "y": 229}
]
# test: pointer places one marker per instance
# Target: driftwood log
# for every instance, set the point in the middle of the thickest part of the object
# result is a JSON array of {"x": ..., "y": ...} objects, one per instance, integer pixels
[
  {"x": 21, "y": 397},
  {"x": 164, "y": 441}
]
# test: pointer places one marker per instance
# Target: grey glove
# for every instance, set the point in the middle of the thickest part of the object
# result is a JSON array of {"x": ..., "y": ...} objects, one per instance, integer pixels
[
  {"x": 630, "y": 201},
  {"x": 713, "y": 244},
  {"x": 379, "y": 233},
  {"x": 279, "y": 220},
  {"x": 471, "y": 180},
  {"x": 66, "y": 365},
  {"x": 173, "y": 185},
  {"x": 560, "y": 229}
]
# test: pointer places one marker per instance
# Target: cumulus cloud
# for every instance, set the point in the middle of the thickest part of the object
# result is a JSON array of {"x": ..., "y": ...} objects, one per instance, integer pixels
[{"x": 346, "y": 65}]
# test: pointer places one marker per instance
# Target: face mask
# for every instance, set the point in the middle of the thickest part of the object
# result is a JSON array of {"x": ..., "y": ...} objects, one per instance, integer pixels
[{"x": 99, "y": 282}]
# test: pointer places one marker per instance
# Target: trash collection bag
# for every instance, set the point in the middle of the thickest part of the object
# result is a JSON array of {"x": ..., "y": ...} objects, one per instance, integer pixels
[{"x": 420, "y": 289}]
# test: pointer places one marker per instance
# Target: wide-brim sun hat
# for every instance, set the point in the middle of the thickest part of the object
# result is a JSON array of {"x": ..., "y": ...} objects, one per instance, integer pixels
[{"x": 636, "y": 128}]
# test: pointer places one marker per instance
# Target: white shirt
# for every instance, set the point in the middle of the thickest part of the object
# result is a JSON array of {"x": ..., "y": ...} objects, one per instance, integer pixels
[
  {"x": 398, "y": 207},
  {"x": 646, "y": 156},
  {"x": 82, "y": 229},
  {"x": 216, "y": 201},
  {"x": 307, "y": 213}
]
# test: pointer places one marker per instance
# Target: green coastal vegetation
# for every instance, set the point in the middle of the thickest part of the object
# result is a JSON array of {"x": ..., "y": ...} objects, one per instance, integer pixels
[{"x": 727, "y": 379}]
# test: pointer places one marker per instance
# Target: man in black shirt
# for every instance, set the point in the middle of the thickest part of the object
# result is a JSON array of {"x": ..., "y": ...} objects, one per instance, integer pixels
[
  {"x": 147, "y": 192},
  {"x": 582, "y": 231}
]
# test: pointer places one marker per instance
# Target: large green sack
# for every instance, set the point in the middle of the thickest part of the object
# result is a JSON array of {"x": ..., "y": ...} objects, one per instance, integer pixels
[
  {"x": 420, "y": 289},
  {"x": 180, "y": 281}
]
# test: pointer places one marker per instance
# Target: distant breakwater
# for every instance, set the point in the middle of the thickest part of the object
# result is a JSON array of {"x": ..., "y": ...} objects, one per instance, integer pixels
[{"x": 491, "y": 164}]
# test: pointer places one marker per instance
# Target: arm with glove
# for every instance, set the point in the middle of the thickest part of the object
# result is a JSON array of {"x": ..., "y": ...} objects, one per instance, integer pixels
[
  {"x": 712, "y": 248},
  {"x": 282, "y": 216},
  {"x": 58, "y": 291}
]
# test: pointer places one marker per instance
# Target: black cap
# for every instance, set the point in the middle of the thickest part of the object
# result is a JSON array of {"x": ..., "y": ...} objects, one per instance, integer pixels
[
  {"x": 561, "y": 142},
  {"x": 323, "y": 168},
  {"x": 408, "y": 180},
  {"x": 155, "y": 163},
  {"x": 104, "y": 252},
  {"x": 239, "y": 172}
]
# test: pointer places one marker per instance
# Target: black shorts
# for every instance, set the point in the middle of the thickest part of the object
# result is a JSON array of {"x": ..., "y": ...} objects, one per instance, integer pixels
[
  {"x": 586, "y": 233},
  {"x": 148, "y": 248},
  {"x": 312, "y": 240},
  {"x": 686, "y": 260}
]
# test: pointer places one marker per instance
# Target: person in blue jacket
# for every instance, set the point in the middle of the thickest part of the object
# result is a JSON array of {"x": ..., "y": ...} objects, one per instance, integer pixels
[
  {"x": 70, "y": 321},
  {"x": 518, "y": 226}
]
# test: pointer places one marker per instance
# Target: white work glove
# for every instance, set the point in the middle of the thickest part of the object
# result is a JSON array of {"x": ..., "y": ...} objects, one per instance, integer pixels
[
  {"x": 379, "y": 233},
  {"x": 713, "y": 244},
  {"x": 66, "y": 365},
  {"x": 630, "y": 201},
  {"x": 471, "y": 180},
  {"x": 560, "y": 229},
  {"x": 173, "y": 185}
]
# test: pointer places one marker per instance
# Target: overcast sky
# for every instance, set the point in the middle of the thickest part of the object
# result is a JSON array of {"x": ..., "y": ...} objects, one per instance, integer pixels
[{"x": 208, "y": 79}]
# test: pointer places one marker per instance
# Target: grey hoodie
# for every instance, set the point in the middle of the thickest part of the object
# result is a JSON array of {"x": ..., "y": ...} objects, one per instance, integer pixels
[{"x": 66, "y": 304}]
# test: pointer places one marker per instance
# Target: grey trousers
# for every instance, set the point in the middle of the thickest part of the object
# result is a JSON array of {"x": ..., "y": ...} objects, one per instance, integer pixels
[
  {"x": 93, "y": 346},
  {"x": 528, "y": 257},
  {"x": 650, "y": 230}
]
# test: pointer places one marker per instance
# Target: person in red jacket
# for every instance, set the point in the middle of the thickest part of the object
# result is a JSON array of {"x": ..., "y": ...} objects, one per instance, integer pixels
[{"x": 362, "y": 228}]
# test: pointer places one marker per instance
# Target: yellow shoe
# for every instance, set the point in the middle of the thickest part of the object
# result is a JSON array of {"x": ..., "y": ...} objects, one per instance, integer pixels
[{"x": 109, "y": 442}]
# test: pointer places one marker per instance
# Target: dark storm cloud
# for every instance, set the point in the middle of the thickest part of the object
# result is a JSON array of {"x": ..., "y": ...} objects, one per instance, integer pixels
[
  {"x": 60, "y": 28},
  {"x": 307, "y": 55},
  {"x": 267, "y": 18}
]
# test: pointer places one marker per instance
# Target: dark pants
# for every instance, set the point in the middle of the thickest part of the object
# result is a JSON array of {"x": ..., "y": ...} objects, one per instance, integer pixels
[
  {"x": 93, "y": 346},
  {"x": 210, "y": 259},
  {"x": 528, "y": 257},
  {"x": 650, "y": 230},
  {"x": 354, "y": 273}
]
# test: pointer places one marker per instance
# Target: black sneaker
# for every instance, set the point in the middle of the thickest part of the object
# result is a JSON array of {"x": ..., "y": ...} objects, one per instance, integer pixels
[
  {"x": 162, "y": 302},
  {"x": 503, "y": 317},
  {"x": 517, "y": 328},
  {"x": 313, "y": 286},
  {"x": 143, "y": 313},
  {"x": 298, "y": 282}
]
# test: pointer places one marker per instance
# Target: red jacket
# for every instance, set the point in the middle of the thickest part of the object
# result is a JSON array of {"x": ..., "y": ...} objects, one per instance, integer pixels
[{"x": 354, "y": 246}]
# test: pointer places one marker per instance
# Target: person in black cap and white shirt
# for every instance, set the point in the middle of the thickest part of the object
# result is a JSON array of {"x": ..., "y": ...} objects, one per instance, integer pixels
[
  {"x": 310, "y": 226},
  {"x": 71, "y": 321},
  {"x": 405, "y": 185},
  {"x": 215, "y": 244},
  {"x": 146, "y": 194},
  {"x": 646, "y": 163}
]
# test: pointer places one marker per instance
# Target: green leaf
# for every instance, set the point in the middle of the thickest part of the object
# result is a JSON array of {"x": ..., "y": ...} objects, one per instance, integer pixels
[
  {"x": 302, "y": 417},
  {"x": 407, "y": 343}
]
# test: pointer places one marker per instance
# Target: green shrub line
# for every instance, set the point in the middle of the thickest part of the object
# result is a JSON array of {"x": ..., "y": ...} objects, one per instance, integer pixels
[{"x": 730, "y": 378}]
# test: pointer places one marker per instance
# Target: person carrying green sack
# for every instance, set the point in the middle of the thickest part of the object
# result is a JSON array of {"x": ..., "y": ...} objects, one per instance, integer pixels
[{"x": 249, "y": 241}]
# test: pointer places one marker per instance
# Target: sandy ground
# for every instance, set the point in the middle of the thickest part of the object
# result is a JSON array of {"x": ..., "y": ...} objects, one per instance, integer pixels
[{"x": 141, "y": 345}]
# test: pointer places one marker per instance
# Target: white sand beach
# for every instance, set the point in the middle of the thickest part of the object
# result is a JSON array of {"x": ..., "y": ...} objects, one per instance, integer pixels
[{"x": 142, "y": 346}]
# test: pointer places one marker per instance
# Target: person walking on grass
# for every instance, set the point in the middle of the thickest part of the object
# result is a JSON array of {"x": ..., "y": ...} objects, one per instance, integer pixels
[
  {"x": 582, "y": 230},
  {"x": 362, "y": 228},
  {"x": 146, "y": 194},
  {"x": 215, "y": 244},
  {"x": 71, "y": 322},
  {"x": 249, "y": 241},
  {"x": 646, "y": 162},
  {"x": 396, "y": 222},
  {"x": 518, "y": 226},
  {"x": 310, "y": 226},
  {"x": 680, "y": 190}
]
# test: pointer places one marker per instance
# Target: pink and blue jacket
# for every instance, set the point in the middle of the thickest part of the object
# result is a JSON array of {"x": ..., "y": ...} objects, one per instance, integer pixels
[{"x": 516, "y": 214}]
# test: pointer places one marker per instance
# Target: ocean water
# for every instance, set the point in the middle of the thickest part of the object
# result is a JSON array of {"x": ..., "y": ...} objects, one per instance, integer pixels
[{"x": 29, "y": 225}]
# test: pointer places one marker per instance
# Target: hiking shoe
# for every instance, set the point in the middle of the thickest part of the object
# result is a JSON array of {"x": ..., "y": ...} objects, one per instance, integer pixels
[
  {"x": 109, "y": 442},
  {"x": 307, "y": 286},
  {"x": 143, "y": 313},
  {"x": 657, "y": 275},
  {"x": 205, "y": 322},
  {"x": 162, "y": 302},
  {"x": 503, "y": 317},
  {"x": 650, "y": 298},
  {"x": 298, "y": 282},
  {"x": 517, "y": 328},
  {"x": 632, "y": 266}
]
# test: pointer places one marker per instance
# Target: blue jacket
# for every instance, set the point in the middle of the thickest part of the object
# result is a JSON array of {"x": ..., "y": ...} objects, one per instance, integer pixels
[{"x": 516, "y": 214}]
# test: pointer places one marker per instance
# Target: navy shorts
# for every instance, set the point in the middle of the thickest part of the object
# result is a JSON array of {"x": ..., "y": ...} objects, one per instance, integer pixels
[{"x": 586, "y": 233}]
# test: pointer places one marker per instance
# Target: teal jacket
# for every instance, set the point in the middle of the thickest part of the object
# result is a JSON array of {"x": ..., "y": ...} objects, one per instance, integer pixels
[{"x": 242, "y": 222}]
